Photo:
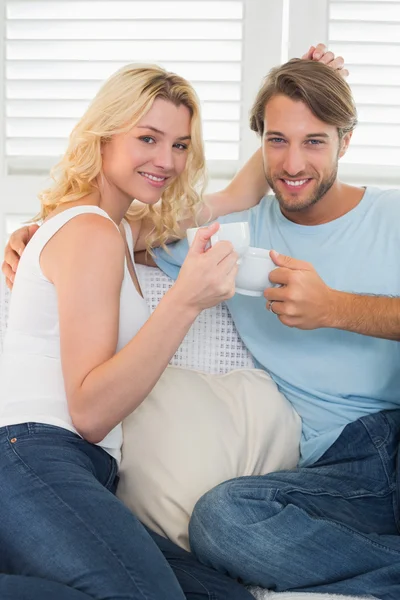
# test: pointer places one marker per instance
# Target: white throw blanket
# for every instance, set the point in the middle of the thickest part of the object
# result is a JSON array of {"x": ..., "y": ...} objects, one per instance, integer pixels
[{"x": 260, "y": 594}]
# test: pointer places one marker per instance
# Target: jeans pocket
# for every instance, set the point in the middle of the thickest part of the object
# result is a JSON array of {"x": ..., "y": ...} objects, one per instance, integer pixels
[
  {"x": 112, "y": 481},
  {"x": 36, "y": 431},
  {"x": 379, "y": 428}
]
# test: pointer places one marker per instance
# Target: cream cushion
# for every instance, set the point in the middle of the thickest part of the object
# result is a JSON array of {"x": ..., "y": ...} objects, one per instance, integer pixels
[{"x": 196, "y": 430}]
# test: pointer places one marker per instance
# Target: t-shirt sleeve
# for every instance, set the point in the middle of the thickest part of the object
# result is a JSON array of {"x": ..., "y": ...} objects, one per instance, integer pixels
[{"x": 170, "y": 260}]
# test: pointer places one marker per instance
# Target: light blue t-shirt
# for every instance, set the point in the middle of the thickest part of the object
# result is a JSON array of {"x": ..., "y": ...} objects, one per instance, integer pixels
[{"x": 332, "y": 377}]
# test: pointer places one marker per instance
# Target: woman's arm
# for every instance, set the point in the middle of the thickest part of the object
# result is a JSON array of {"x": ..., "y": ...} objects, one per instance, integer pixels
[{"x": 102, "y": 386}]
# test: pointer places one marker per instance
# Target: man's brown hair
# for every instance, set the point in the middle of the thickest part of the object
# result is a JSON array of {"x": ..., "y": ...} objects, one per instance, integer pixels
[{"x": 321, "y": 88}]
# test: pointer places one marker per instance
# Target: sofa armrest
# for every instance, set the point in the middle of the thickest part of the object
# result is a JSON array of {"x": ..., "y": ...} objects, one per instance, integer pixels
[{"x": 4, "y": 306}]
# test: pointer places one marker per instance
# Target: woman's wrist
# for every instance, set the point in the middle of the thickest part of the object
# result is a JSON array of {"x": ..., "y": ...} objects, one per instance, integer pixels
[{"x": 181, "y": 303}]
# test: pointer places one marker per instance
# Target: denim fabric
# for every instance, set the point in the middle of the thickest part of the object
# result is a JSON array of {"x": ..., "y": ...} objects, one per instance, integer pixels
[
  {"x": 18, "y": 587},
  {"x": 60, "y": 521},
  {"x": 198, "y": 581},
  {"x": 331, "y": 527}
]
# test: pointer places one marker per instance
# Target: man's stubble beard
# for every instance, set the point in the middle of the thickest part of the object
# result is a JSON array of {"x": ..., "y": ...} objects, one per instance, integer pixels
[{"x": 322, "y": 189}]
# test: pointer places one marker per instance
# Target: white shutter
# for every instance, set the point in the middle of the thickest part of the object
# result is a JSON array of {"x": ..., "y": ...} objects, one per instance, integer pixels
[
  {"x": 367, "y": 34},
  {"x": 58, "y": 52}
]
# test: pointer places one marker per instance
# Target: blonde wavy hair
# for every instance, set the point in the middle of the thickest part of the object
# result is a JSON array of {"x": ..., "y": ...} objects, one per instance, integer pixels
[{"x": 120, "y": 103}]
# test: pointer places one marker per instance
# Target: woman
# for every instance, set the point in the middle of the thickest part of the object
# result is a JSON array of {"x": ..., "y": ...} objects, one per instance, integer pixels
[
  {"x": 84, "y": 352},
  {"x": 197, "y": 581}
]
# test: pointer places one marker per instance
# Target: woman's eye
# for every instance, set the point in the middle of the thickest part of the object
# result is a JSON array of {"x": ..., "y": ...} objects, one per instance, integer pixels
[
  {"x": 147, "y": 139},
  {"x": 181, "y": 146}
]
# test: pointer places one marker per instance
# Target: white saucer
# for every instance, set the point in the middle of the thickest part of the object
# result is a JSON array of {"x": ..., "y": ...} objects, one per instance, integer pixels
[{"x": 248, "y": 292}]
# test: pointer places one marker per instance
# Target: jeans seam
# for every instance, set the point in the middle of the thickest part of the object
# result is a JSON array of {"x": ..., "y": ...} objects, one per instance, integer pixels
[
  {"x": 322, "y": 492},
  {"x": 113, "y": 472},
  {"x": 396, "y": 511},
  {"x": 343, "y": 527},
  {"x": 364, "y": 537},
  {"x": 99, "y": 540},
  {"x": 396, "y": 495},
  {"x": 382, "y": 445},
  {"x": 274, "y": 491},
  {"x": 389, "y": 430},
  {"x": 211, "y": 595}
]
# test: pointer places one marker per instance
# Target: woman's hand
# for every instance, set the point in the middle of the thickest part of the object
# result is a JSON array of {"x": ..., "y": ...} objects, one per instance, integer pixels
[{"x": 207, "y": 277}]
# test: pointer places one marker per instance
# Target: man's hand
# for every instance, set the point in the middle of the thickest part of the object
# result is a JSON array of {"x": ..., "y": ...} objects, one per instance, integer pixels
[
  {"x": 320, "y": 53},
  {"x": 303, "y": 300},
  {"x": 306, "y": 302},
  {"x": 14, "y": 249}
]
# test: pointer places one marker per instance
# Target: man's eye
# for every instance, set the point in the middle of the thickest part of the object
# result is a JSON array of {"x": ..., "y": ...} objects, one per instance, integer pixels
[
  {"x": 276, "y": 140},
  {"x": 314, "y": 142},
  {"x": 147, "y": 139}
]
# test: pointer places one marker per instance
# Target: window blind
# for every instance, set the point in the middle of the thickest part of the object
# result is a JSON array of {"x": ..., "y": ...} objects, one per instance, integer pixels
[
  {"x": 367, "y": 34},
  {"x": 57, "y": 54}
]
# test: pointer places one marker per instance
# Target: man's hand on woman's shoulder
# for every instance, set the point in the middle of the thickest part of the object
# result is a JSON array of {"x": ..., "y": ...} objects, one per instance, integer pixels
[{"x": 13, "y": 252}]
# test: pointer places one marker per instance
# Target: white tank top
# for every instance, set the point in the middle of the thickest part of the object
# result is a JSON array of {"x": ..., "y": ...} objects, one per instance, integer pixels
[{"x": 31, "y": 380}]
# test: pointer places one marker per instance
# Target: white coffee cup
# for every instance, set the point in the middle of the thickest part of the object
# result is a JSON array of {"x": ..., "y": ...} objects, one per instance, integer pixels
[
  {"x": 236, "y": 233},
  {"x": 253, "y": 274}
]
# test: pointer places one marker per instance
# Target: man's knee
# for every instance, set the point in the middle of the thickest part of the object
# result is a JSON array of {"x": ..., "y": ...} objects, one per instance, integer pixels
[
  {"x": 221, "y": 519},
  {"x": 213, "y": 525}
]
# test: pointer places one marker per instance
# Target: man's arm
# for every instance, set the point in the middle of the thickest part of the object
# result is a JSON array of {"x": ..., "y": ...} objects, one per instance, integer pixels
[
  {"x": 142, "y": 257},
  {"x": 244, "y": 191},
  {"x": 377, "y": 316},
  {"x": 303, "y": 300}
]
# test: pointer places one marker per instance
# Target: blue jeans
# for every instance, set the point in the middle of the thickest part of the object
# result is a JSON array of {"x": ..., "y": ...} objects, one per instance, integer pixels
[
  {"x": 331, "y": 527},
  {"x": 62, "y": 527},
  {"x": 18, "y": 587}
]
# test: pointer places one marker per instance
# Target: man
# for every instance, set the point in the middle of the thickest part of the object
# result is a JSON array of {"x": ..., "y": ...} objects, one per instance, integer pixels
[{"x": 329, "y": 339}]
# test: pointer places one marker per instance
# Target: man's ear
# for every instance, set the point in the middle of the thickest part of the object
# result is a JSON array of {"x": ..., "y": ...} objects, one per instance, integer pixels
[{"x": 344, "y": 143}]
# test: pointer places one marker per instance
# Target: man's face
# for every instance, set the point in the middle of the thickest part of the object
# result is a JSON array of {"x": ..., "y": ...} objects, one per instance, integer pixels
[{"x": 300, "y": 154}]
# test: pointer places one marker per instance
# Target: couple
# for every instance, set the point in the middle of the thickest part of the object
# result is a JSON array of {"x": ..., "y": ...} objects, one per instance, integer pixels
[{"x": 329, "y": 340}]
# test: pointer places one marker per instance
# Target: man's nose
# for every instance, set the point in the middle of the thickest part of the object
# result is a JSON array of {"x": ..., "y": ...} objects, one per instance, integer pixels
[{"x": 294, "y": 162}]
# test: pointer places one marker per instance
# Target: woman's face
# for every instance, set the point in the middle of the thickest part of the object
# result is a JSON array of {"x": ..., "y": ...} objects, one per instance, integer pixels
[{"x": 142, "y": 163}]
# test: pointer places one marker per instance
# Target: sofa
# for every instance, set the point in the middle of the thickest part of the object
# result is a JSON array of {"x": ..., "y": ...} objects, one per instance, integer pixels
[{"x": 211, "y": 346}]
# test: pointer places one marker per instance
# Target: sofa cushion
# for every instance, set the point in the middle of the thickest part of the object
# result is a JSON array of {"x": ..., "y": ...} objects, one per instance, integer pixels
[{"x": 196, "y": 430}]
